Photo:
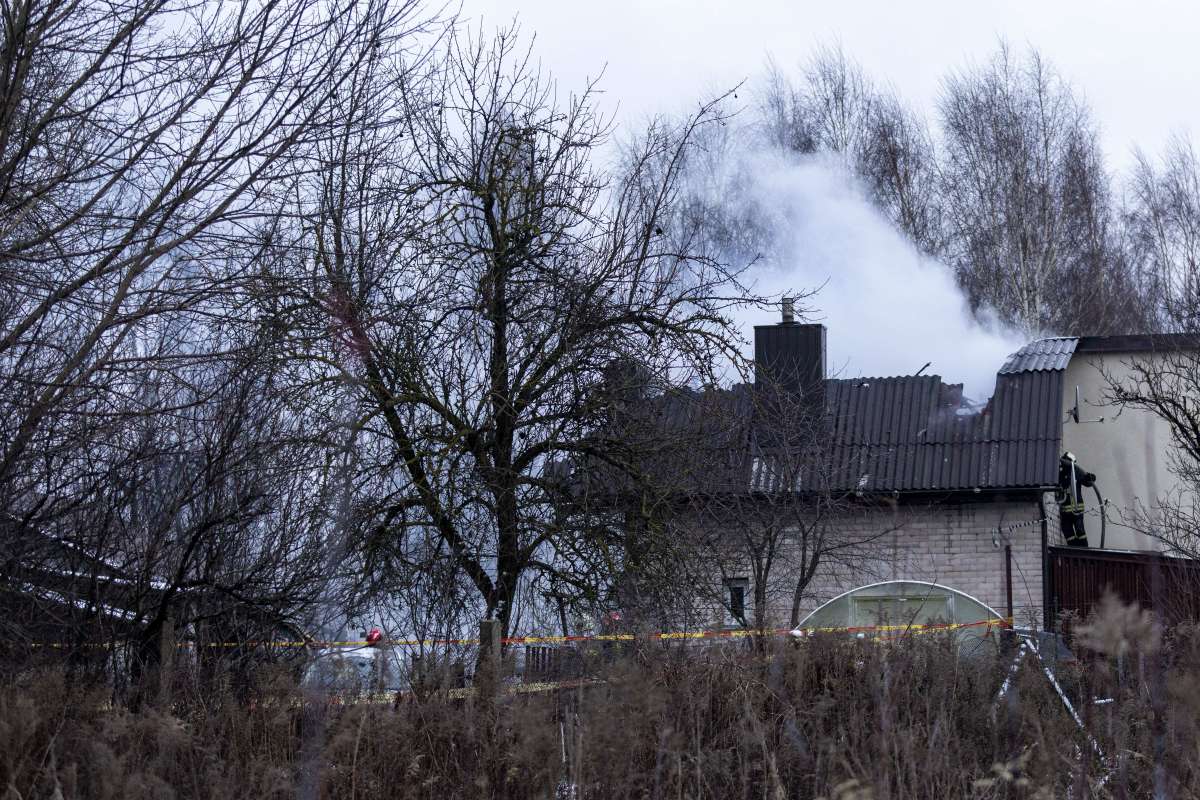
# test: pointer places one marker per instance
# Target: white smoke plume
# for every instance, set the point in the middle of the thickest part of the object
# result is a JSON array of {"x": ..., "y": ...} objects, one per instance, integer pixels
[{"x": 888, "y": 309}]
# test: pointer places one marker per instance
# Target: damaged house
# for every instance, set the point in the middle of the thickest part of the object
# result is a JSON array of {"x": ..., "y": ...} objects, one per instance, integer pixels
[{"x": 780, "y": 496}]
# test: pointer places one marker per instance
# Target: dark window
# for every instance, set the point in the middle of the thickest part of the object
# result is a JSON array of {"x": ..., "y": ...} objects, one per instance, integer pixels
[{"x": 737, "y": 599}]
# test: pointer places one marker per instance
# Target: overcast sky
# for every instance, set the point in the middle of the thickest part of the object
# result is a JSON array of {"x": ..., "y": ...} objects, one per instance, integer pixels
[
  {"x": 1137, "y": 64},
  {"x": 1136, "y": 67}
]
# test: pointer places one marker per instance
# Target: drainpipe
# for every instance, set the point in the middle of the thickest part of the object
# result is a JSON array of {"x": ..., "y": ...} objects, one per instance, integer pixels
[
  {"x": 1047, "y": 611},
  {"x": 1008, "y": 581}
]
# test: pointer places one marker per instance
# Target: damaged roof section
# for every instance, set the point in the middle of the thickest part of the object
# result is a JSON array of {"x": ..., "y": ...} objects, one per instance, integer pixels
[
  {"x": 909, "y": 434},
  {"x": 914, "y": 434}
]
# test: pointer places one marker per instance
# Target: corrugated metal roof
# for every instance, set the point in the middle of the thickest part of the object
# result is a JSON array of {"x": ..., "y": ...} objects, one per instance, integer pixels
[
  {"x": 904, "y": 434},
  {"x": 901, "y": 434},
  {"x": 695, "y": 441},
  {"x": 910, "y": 434},
  {"x": 1042, "y": 354}
]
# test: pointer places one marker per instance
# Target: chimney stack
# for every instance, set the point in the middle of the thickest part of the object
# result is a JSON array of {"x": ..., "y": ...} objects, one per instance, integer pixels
[{"x": 789, "y": 358}]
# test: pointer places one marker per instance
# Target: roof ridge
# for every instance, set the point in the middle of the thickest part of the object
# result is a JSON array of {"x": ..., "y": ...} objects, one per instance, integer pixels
[{"x": 890, "y": 378}]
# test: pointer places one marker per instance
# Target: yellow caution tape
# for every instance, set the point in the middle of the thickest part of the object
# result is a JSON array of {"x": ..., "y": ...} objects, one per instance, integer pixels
[
  {"x": 1001, "y": 622},
  {"x": 738, "y": 633}
]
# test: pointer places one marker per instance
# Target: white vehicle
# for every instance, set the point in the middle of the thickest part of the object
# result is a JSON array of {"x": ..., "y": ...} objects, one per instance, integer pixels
[{"x": 357, "y": 670}]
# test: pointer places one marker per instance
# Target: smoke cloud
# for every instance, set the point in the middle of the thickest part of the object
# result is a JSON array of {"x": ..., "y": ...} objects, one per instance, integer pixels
[{"x": 888, "y": 308}]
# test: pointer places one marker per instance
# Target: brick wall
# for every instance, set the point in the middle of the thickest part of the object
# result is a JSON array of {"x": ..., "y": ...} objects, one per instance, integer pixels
[
  {"x": 953, "y": 545},
  {"x": 1054, "y": 535},
  {"x": 948, "y": 543}
]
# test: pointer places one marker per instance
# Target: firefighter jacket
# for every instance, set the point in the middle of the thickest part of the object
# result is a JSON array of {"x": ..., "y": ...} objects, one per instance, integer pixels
[{"x": 1071, "y": 480}]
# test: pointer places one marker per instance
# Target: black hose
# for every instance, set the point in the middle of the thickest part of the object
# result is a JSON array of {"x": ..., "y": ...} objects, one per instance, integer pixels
[{"x": 1103, "y": 516}]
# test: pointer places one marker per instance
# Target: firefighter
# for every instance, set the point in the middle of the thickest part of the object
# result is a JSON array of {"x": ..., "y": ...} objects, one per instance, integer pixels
[{"x": 1071, "y": 479}]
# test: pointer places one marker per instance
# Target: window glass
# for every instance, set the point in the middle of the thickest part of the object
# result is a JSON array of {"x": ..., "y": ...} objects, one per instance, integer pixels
[{"x": 737, "y": 600}]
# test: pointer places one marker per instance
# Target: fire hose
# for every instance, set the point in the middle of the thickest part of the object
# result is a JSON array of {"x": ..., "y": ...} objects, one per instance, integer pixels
[{"x": 1103, "y": 516}]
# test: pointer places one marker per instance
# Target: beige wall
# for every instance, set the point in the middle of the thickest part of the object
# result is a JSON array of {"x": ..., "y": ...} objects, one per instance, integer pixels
[{"x": 1128, "y": 452}]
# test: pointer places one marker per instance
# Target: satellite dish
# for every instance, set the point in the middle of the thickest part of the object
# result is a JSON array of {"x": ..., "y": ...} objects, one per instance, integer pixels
[{"x": 1074, "y": 412}]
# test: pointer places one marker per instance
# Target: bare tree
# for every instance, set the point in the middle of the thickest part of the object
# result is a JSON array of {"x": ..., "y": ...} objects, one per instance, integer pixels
[
  {"x": 782, "y": 543},
  {"x": 1026, "y": 199},
  {"x": 834, "y": 107},
  {"x": 897, "y": 160},
  {"x": 480, "y": 283},
  {"x": 1163, "y": 224},
  {"x": 155, "y": 467},
  {"x": 829, "y": 110},
  {"x": 137, "y": 148}
]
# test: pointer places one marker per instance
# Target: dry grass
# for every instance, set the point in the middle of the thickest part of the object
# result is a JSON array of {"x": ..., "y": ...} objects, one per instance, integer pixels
[{"x": 831, "y": 718}]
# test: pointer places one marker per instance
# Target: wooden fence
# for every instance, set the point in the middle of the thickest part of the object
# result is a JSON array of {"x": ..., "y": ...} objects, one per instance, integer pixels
[{"x": 1079, "y": 577}]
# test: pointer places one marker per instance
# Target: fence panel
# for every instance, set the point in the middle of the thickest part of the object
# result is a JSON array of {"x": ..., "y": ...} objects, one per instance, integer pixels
[{"x": 1079, "y": 578}]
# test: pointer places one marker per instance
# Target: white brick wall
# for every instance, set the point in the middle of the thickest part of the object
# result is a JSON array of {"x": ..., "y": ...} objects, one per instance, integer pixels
[
  {"x": 951, "y": 545},
  {"x": 948, "y": 544},
  {"x": 1054, "y": 535}
]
